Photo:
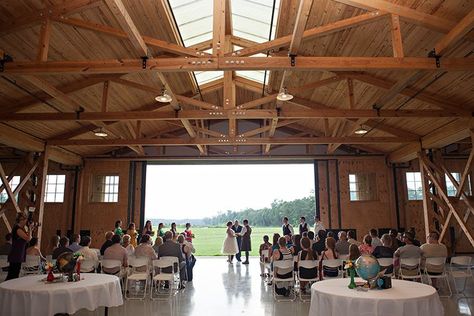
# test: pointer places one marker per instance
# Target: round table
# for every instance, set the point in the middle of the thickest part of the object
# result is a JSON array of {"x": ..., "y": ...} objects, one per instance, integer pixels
[
  {"x": 333, "y": 297},
  {"x": 31, "y": 296}
]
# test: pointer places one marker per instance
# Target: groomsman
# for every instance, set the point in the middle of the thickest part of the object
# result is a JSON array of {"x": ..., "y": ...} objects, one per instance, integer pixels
[
  {"x": 237, "y": 228},
  {"x": 246, "y": 241},
  {"x": 303, "y": 225},
  {"x": 286, "y": 227}
]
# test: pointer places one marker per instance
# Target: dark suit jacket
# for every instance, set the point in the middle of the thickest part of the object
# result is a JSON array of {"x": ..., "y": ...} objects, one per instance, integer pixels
[{"x": 170, "y": 249}]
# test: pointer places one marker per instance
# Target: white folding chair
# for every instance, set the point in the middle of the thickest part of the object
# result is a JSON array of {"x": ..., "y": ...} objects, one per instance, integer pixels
[
  {"x": 333, "y": 264},
  {"x": 284, "y": 265},
  {"x": 159, "y": 278},
  {"x": 31, "y": 265},
  {"x": 177, "y": 275},
  {"x": 386, "y": 263},
  {"x": 460, "y": 268},
  {"x": 307, "y": 264},
  {"x": 440, "y": 264},
  {"x": 410, "y": 269},
  {"x": 140, "y": 270},
  {"x": 3, "y": 265},
  {"x": 88, "y": 265},
  {"x": 113, "y": 265}
]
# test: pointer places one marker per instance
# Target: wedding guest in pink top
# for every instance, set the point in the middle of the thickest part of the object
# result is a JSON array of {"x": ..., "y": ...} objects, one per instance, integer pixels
[{"x": 366, "y": 247}]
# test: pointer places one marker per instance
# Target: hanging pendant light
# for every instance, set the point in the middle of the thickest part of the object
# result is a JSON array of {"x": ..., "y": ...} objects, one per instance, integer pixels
[
  {"x": 284, "y": 95},
  {"x": 361, "y": 131},
  {"x": 164, "y": 97},
  {"x": 101, "y": 133}
]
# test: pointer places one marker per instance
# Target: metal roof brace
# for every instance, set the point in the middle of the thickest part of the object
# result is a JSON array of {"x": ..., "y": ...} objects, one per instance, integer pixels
[
  {"x": 4, "y": 59},
  {"x": 144, "y": 60},
  {"x": 292, "y": 59},
  {"x": 432, "y": 54}
]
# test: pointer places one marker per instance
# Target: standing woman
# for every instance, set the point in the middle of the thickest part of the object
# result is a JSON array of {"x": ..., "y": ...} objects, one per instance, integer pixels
[
  {"x": 118, "y": 228},
  {"x": 173, "y": 230},
  {"x": 20, "y": 239},
  {"x": 148, "y": 229},
  {"x": 230, "y": 247},
  {"x": 133, "y": 234}
]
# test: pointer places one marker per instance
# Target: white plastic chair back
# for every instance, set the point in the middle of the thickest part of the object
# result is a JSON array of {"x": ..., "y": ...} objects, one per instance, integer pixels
[
  {"x": 283, "y": 265},
  {"x": 111, "y": 264},
  {"x": 159, "y": 265},
  {"x": 332, "y": 263},
  {"x": 88, "y": 265},
  {"x": 3, "y": 261},
  {"x": 385, "y": 262},
  {"x": 436, "y": 261},
  {"x": 412, "y": 265},
  {"x": 307, "y": 264},
  {"x": 461, "y": 261},
  {"x": 32, "y": 261}
]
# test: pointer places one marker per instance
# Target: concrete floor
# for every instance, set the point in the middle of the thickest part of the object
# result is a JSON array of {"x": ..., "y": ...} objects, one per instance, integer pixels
[{"x": 222, "y": 289}]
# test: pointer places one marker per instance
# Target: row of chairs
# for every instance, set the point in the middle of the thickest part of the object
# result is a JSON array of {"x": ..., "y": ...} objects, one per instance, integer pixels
[{"x": 460, "y": 268}]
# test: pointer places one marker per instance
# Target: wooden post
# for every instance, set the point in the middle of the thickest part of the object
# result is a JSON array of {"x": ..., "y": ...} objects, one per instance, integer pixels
[
  {"x": 425, "y": 187},
  {"x": 42, "y": 191}
]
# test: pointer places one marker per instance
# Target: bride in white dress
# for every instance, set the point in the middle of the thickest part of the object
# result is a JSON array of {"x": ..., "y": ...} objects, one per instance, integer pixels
[{"x": 230, "y": 247}]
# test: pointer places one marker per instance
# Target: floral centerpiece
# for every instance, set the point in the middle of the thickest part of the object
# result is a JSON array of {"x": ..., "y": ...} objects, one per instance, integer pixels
[
  {"x": 350, "y": 268},
  {"x": 68, "y": 263},
  {"x": 49, "y": 268}
]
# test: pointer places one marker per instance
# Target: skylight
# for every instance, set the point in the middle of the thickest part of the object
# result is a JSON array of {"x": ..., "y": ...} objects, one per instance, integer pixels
[{"x": 250, "y": 20}]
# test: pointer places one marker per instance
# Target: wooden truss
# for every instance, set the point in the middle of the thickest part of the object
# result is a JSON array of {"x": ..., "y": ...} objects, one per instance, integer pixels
[{"x": 438, "y": 207}]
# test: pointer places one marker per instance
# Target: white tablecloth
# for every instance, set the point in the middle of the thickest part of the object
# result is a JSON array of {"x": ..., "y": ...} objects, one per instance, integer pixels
[
  {"x": 334, "y": 298},
  {"x": 30, "y": 296}
]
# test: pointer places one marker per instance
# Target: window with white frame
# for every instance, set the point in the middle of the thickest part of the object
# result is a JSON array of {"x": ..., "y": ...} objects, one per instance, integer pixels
[
  {"x": 105, "y": 188},
  {"x": 362, "y": 187},
  {"x": 55, "y": 185},
  {"x": 414, "y": 186},
  {"x": 14, "y": 182},
  {"x": 451, "y": 189}
]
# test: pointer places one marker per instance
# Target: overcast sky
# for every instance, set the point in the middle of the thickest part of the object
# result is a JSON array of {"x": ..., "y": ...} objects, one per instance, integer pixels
[{"x": 197, "y": 191}]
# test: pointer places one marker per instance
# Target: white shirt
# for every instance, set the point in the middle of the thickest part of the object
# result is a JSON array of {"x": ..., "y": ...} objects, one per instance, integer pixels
[
  {"x": 130, "y": 250},
  {"x": 243, "y": 231},
  {"x": 90, "y": 254},
  {"x": 376, "y": 242},
  {"x": 317, "y": 227}
]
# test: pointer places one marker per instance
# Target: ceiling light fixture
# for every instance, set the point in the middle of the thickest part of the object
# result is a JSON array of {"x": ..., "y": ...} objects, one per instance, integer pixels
[
  {"x": 284, "y": 95},
  {"x": 164, "y": 97},
  {"x": 101, "y": 133},
  {"x": 361, "y": 131}
]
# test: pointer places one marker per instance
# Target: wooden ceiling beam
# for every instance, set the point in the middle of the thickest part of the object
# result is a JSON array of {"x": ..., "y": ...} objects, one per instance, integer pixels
[
  {"x": 311, "y": 33},
  {"x": 12, "y": 137},
  {"x": 397, "y": 42},
  {"x": 35, "y": 17},
  {"x": 225, "y": 114},
  {"x": 455, "y": 34},
  {"x": 178, "y": 64},
  {"x": 197, "y": 103},
  {"x": 414, "y": 16},
  {"x": 168, "y": 47},
  {"x": 43, "y": 44},
  {"x": 216, "y": 141}
]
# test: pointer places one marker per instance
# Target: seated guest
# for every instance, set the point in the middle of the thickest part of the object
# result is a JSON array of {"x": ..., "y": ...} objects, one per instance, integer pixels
[
  {"x": 53, "y": 244},
  {"x": 7, "y": 246},
  {"x": 352, "y": 238},
  {"x": 385, "y": 251},
  {"x": 63, "y": 247},
  {"x": 74, "y": 246},
  {"x": 289, "y": 243},
  {"x": 33, "y": 249},
  {"x": 144, "y": 249},
  {"x": 172, "y": 249},
  {"x": 416, "y": 242},
  {"x": 307, "y": 253},
  {"x": 115, "y": 252},
  {"x": 375, "y": 238},
  {"x": 133, "y": 234},
  {"x": 264, "y": 247},
  {"x": 108, "y": 242},
  {"x": 328, "y": 254},
  {"x": 320, "y": 244},
  {"x": 282, "y": 253},
  {"x": 304, "y": 234},
  {"x": 396, "y": 243},
  {"x": 354, "y": 252},
  {"x": 126, "y": 243},
  {"x": 408, "y": 251},
  {"x": 433, "y": 249},
  {"x": 311, "y": 237},
  {"x": 295, "y": 244},
  {"x": 342, "y": 245},
  {"x": 188, "y": 256},
  {"x": 331, "y": 234},
  {"x": 275, "y": 246},
  {"x": 158, "y": 243},
  {"x": 88, "y": 253},
  {"x": 366, "y": 247}
]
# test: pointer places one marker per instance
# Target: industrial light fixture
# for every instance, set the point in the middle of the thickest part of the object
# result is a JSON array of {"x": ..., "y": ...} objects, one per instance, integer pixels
[
  {"x": 284, "y": 95},
  {"x": 164, "y": 97},
  {"x": 101, "y": 133},
  {"x": 361, "y": 131}
]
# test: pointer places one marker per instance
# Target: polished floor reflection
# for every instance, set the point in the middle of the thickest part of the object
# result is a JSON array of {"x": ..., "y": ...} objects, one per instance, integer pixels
[{"x": 222, "y": 289}]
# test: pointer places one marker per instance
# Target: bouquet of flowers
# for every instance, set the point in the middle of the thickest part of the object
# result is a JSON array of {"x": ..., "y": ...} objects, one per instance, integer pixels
[
  {"x": 350, "y": 268},
  {"x": 49, "y": 268}
]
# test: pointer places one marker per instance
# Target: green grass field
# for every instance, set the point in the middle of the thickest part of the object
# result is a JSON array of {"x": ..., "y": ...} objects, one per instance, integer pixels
[{"x": 208, "y": 240}]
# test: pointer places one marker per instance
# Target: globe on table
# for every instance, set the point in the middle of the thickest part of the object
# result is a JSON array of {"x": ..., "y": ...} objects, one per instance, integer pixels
[
  {"x": 367, "y": 267},
  {"x": 66, "y": 262}
]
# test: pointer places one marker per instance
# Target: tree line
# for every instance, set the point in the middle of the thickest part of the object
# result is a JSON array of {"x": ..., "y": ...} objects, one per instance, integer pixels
[{"x": 272, "y": 216}]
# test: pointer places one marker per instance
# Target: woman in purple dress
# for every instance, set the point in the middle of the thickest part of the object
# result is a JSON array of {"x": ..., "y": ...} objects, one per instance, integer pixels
[{"x": 20, "y": 239}]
